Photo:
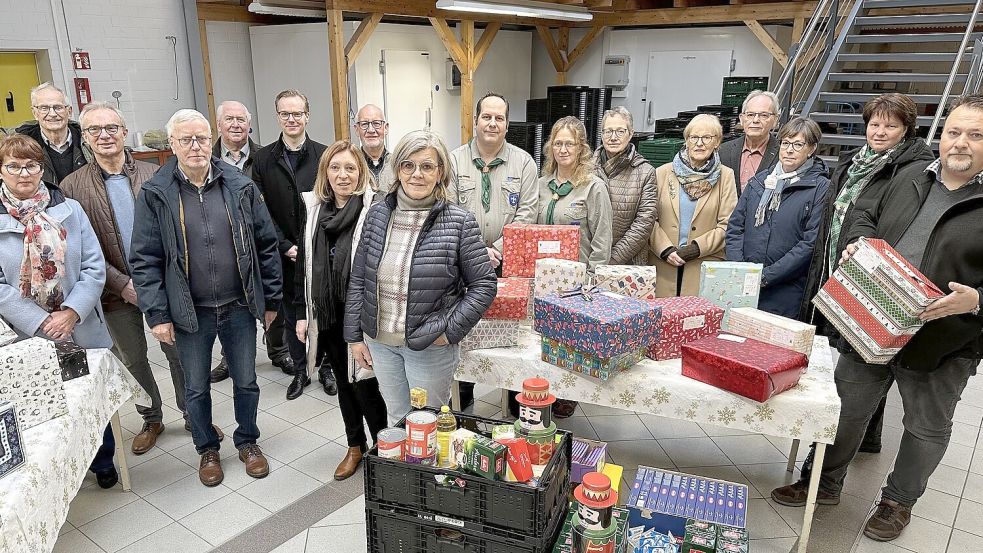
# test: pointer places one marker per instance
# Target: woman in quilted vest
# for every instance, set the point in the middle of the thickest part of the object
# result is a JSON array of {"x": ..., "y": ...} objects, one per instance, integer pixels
[
  {"x": 420, "y": 279},
  {"x": 336, "y": 210},
  {"x": 630, "y": 179}
]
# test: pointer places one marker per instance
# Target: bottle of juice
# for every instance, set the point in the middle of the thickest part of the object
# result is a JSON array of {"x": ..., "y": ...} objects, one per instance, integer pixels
[{"x": 446, "y": 425}]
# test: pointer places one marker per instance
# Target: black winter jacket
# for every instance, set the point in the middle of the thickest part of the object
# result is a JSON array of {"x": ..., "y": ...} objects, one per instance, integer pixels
[
  {"x": 954, "y": 253},
  {"x": 452, "y": 283},
  {"x": 80, "y": 152},
  {"x": 911, "y": 152},
  {"x": 158, "y": 248}
]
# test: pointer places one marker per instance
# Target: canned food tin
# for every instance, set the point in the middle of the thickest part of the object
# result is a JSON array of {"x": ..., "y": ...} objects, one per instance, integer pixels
[
  {"x": 421, "y": 433},
  {"x": 392, "y": 443}
]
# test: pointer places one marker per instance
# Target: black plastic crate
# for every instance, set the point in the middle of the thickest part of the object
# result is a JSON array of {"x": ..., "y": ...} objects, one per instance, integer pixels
[
  {"x": 507, "y": 509},
  {"x": 719, "y": 109},
  {"x": 393, "y": 529},
  {"x": 538, "y": 110}
]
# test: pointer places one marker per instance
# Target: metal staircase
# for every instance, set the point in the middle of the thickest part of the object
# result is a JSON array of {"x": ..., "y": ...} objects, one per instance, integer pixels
[{"x": 853, "y": 51}]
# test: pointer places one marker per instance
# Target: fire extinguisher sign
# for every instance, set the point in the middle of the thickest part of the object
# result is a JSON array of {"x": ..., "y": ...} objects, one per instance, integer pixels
[{"x": 82, "y": 92}]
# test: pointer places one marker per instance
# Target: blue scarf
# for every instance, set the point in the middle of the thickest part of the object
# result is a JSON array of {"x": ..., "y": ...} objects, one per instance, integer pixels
[{"x": 771, "y": 198}]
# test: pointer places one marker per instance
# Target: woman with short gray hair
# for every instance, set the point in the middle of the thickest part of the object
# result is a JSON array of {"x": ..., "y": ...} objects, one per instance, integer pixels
[
  {"x": 630, "y": 179},
  {"x": 408, "y": 330}
]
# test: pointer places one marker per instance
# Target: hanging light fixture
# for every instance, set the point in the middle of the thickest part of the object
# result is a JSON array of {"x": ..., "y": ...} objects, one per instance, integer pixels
[{"x": 542, "y": 10}]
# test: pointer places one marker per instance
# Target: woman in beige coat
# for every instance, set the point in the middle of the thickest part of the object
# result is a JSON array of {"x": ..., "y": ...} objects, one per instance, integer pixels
[{"x": 696, "y": 195}]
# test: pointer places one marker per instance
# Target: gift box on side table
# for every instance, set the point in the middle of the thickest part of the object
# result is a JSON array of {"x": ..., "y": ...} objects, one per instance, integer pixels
[
  {"x": 745, "y": 366},
  {"x": 598, "y": 323},
  {"x": 512, "y": 300},
  {"x": 771, "y": 329},
  {"x": 557, "y": 275},
  {"x": 73, "y": 360},
  {"x": 684, "y": 319},
  {"x": 636, "y": 281},
  {"x": 523, "y": 244},
  {"x": 492, "y": 333},
  {"x": 30, "y": 378},
  {"x": 602, "y": 368},
  {"x": 730, "y": 284},
  {"x": 11, "y": 448}
]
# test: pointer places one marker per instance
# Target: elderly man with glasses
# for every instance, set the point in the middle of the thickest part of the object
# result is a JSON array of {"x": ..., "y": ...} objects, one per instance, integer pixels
[
  {"x": 757, "y": 150},
  {"x": 372, "y": 130},
  {"x": 282, "y": 171},
  {"x": 59, "y": 137}
]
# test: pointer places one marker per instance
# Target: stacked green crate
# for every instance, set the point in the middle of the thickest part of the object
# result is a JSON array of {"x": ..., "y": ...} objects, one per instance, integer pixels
[
  {"x": 660, "y": 151},
  {"x": 736, "y": 89}
]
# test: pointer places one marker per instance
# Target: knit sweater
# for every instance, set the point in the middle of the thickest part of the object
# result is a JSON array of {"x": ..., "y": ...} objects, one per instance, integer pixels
[{"x": 394, "y": 268}]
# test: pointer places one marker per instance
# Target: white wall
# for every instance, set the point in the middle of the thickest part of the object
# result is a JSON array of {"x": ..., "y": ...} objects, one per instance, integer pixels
[
  {"x": 231, "y": 61},
  {"x": 752, "y": 59},
  {"x": 296, "y": 56},
  {"x": 127, "y": 47}
]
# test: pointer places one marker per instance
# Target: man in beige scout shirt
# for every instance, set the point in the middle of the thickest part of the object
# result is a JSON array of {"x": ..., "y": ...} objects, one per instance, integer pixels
[{"x": 492, "y": 178}]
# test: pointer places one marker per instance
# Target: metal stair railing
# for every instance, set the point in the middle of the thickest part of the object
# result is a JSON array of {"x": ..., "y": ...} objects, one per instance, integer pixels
[
  {"x": 813, "y": 56},
  {"x": 972, "y": 79}
]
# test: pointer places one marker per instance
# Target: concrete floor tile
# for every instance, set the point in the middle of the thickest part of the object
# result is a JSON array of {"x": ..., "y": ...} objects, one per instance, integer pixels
[
  {"x": 173, "y": 537},
  {"x": 136, "y": 520},
  {"x": 924, "y": 536},
  {"x": 349, "y": 537},
  {"x": 694, "y": 452},
  {"x": 970, "y": 517},
  {"x": 749, "y": 449},
  {"x": 620, "y": 427},
  {"x": 225, "y": 518},
  {"x": 186, "y": 496},
  {"x": 75, "y": 542}
]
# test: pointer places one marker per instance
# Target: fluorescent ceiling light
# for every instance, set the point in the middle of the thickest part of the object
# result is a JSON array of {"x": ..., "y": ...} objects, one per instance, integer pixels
[
  {"x": 543, "y": 10},
  {"x": 267, "y": 9}
]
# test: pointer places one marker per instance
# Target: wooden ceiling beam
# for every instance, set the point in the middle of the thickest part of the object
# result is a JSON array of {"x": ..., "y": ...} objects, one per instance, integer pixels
[
  {"x": 768, "y": 42},
  {"x": 339, "y": 74},
  {"x": 451, "y": 43},
  {"x": 546, "y": 35},
  {"x": 209, "y": 11},
  {"x": 361, "y": 36},
  {"x": 428, "y": 9},
  {"x": 583, "y": 45},
  {"x": 706, "y": 15},
  {"x": 487, "y": 36}
]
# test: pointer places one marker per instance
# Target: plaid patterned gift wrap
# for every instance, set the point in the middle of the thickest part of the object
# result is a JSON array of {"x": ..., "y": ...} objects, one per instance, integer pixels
[
  {"x": 557, "y": 275},
  {"x": 628, "y": 280},
  {"x": 523, "y": 244},
  {"x": 747, "y": 367},
  {"x": 492, "y": 333},
  {"x": 874, "y": 300},
  {"x": 730, "y": 284},
  {"x": 771, "y": 329},
  {"x": 684, "y": 319},
  {"x": 565, "y": 357},
  {"x": 511, "y": 301},
  {"x": 598, "y": 323}
]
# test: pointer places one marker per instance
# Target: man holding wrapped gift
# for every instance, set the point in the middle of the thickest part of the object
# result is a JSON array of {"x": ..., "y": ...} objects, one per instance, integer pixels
[{"x": 927, "y": 217}]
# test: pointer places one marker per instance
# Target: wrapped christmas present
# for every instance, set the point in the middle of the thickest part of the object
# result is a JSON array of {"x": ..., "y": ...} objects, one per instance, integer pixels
[
  {"x": 635, "y": 281},
  {"x": 7, "y": 334},
  {"x": 684, "y": 319},
  {"x": 874, "y": 300},
  {"x": 602, "y": 368},
  {"x": 512, "y": 300},
  {"x": 11, "y": 447},
  {"x": 771, "y": 329},
  {"x": 730, "y": 284},
  {"x": 745, "y": 366},
  {"x": 556, "y": 275},
  {"x": 492, "y": 333},
  {"x": 599, "y": 323},
  {"x": 523, "y": 244},
  {"x": 30, "y": 378},
  {"x": 73, "y": 360}
]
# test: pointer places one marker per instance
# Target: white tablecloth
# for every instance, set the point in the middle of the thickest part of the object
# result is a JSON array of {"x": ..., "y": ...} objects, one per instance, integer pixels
[
  {"x": 34, "y": 499},
  {"x": 808, "y": 412}
]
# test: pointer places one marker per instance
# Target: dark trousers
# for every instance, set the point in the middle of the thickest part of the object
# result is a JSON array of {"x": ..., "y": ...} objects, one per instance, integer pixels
[
  {"x": 287, "y": 317},
  {"x": 358, "y": 400},
  {"x": 235, "y": 328},
  {"x": 872, "y": 438},
  {"x": 103, "y": 461}
]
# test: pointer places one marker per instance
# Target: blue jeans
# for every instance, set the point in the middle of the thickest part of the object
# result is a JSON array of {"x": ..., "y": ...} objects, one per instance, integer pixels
[
  {"x": 235, "y": 328},
  {"x": 103, "y": 461},
  {"x": 398, "y": 368}
]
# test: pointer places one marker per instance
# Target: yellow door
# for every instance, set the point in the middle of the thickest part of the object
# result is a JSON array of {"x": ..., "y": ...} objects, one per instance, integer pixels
[{"x": 18, "y": 75}]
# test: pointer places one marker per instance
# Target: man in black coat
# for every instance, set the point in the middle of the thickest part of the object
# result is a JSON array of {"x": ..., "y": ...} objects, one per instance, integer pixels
[
  {"x": 757, "y": 150},
  {"x": 283, "y": 170},
  {"x": 933, "y": 217},
  {"x": 58, "y": 135}
]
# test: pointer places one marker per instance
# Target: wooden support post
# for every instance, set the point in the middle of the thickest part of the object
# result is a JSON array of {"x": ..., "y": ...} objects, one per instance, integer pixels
[
  {"x": 450, "y": 42},
  {"x": 339, "y": 74},
  {"x": 583, "y": 45},
  {"x": 564, "y": 41},
  {"x": 798, "y": 27},
  {"x": 765, "y": 39},
  {"x": 209, "y": 91},
  {"x": 559, "y": 63},
  {"x": 466, "y": 29},
  {"x": 484, "y": 43},
  {"x": 361, "y": 36}
]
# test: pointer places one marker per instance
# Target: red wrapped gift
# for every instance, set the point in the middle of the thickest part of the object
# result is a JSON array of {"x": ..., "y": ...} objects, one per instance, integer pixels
[
  {"x": 518, "y": 458},
  {"x": 753, "y": 369},
  {"x": 512, "y": 299},
  {"x": 684, "y": 319},
  {"x": 523, "y": 244}
]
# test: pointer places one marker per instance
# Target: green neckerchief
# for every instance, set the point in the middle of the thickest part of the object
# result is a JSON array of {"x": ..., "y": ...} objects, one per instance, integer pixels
[
  {"x": 559, "y": 191},
  {"x": 486, "y": 179}
]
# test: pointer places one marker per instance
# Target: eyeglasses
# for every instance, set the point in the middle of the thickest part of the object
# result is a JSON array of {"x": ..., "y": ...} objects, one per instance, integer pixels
[
  {"x": 796, "y": 146},
  {"x": 569, "y": 146},
  {"x": 286, "y": 115},
  {"x": 427, "y": 167},
  {"x": 704, "y": 139},
  {"x": 14, "y": 169},
  {"x": 375, "y": 124},
  {"x": 201, "y": 141},
  {"x": 230, "y": 120},
  {"x": 57, "y": 108},
  {"x": 763, "y": 115},
  {"x": 95, "y": 131},
  {"x": 617, "y": 133}
]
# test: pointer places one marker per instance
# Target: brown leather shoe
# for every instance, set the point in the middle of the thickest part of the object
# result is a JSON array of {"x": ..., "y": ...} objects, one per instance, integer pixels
[
  {"x": 210, "y": 470},
  {"x": 256, "y": 465},
  {"x": 147, "y": 438},
  {"x": 795, "y": 495},
  {"x": 563, "y": 408},
  {"x": 888, "y": 521},
  {"x": 349, "y": 464},
  {"x": 221, "y": 435}
]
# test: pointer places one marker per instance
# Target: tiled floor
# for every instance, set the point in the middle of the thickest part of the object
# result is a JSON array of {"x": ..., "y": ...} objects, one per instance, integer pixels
[{"x": 299, "y": 508}]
